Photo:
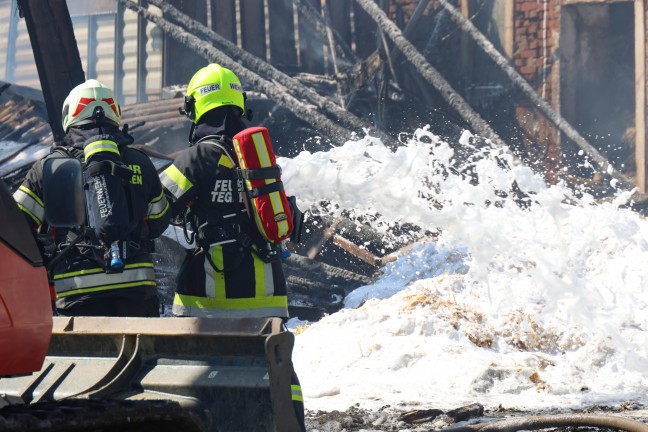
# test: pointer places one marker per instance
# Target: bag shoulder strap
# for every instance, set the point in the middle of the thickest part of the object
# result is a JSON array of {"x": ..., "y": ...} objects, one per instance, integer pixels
[
  {"x": 217, "y": 140},
  {"x": 247, "y": 236},
  {"x": 67, "y": 151}
]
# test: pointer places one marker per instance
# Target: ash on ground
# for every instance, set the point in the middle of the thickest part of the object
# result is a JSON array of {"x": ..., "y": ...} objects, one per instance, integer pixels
[{"x": 392, "y": 419}]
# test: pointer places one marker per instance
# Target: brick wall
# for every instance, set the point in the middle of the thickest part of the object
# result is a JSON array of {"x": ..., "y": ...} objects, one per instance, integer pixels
[{"x": 535, "y": 39}]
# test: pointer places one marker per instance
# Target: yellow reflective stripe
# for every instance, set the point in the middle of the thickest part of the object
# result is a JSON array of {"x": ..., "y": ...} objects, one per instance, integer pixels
[
  {"x": 175, "y": 182},
  {"x": 99, "y": 270},
  {"x": 225, "y": 161},
  {"x": 157, "y": 207},
  {"x": 23, "y": 208},
  {"x": 230, "y": 303},
  {"x": 32, "y": 194},
  {"x": 104, "y": 288},
  {"x": 239, "y": 155},
  {"x": 277, "y": 207},
  {"x": 159, "y": 215},
  {"x": 296, "y": 391},
  {"x": 260, "y": 277},
  {"x": 100, "y": 146},
  {"x": 99, "y": 281},
  {"x": 78, "y": 273},
  {"x": 218, "y": 277},
  {"x": 261, "y": 149},
  {"x": 157, "y": 198},
  {"x": 30, "y": 203}
]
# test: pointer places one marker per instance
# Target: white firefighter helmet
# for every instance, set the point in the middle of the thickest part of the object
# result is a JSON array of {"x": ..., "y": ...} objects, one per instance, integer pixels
[{"x": 90, "y": 102}]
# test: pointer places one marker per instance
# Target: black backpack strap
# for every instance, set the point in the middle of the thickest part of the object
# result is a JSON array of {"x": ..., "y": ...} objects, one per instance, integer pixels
[
  {"x": 247, "y": 234},
  {"x": 110, "y": 167},
  {"x": 266, "y": 189},
  {"x": 66, "y": 151},
  {"x": 260, "y": 173}
]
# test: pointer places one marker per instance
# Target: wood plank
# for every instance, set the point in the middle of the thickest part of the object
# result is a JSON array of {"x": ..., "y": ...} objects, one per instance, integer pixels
[
  {"x": 340, "y": 15},
  {"x": 181, "y": 72},
  {"x": 224, "y": 18},
  {"x": 283, "y": 49},
  {"x": 253, "y": 35},
  {"x": 311, "y": 44},
  {"x": 365, "y": 37}
]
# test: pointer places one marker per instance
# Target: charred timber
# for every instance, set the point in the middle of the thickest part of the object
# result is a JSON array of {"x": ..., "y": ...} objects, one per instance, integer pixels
[
  {"x": 318, "y": 22},
  {"x": 304, "y": 111},
  {"x": 430, "y": 74},
  {"x": 366, "y": 70},
  {"x": 269, "y": 72}
]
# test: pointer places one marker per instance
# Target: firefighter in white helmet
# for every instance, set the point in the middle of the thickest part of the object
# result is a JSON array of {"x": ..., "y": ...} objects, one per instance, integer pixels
[{"x": 90, "y": 281}]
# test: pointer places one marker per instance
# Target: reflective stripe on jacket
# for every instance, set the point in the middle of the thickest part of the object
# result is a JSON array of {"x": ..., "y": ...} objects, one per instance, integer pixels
[
  {"x": 95, "y": 279},
  {"x": 29, "y": 202},
  {"x": 216, "y": 295}
]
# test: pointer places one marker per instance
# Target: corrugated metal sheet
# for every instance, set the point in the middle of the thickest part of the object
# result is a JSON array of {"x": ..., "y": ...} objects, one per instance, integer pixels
[
  {"x": 24, "y": 71},
  {"x": 94, "y": 7},
  {"x": 105, "y": 49},
  {"x": 5, "y": 19},
  {"x": 94, "y": 28},
  {"x": 130, "y": 57},
  {"x": 80, "y": 25}
]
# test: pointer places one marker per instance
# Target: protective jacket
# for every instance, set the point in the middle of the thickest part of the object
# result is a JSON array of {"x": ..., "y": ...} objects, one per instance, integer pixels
[
  {"x": 224, "y": 275},
  {"x": 81, "y": 276}
]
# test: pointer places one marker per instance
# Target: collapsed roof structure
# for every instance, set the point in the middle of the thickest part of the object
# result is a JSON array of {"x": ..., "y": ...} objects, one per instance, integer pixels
[{"x": 529, "y": 76}]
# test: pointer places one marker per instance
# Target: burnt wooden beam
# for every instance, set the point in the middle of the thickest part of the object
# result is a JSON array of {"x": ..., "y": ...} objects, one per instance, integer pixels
[
  {"x": 355, "y": 250},
  {"x": 55, "y": 52},
  {"x": 317, "y": 21},
  {"x": 326, "y": 235},
  {"x": 279, "y": 80},
  {"x": 431, "y": 74},
  {"x": 365, "y": 71},
  {"x": 304, "y": 110}
]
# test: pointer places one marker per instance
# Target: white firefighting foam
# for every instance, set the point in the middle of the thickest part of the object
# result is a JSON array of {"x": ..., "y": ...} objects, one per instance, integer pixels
[{"x": 527, "y": 300}]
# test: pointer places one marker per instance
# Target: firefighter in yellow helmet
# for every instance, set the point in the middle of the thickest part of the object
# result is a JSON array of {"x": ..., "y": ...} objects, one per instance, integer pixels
[
  {"x": 90, "y": 281},
  {"x": 226, "y": 274}
]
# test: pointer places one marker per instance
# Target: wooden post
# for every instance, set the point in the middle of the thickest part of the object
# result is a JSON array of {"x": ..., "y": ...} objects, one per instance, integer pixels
[
  {"x": 465, "y": 42},
  {"x": 283, "y": 51},
  {"x": 640, "y": 92},
  {"x": 253, "y": 32},
  {"x": 91, "y": 55},
  {"x": 224, "y": 18},
  {"x": 509, "y": 27}
]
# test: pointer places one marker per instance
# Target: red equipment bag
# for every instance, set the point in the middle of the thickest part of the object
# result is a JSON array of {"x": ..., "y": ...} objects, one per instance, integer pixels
[{"x": 262, "y": 177}]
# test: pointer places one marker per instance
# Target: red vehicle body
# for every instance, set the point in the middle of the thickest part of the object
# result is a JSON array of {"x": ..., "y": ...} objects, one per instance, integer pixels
[{"x": 25, "y": 305}]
